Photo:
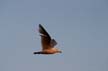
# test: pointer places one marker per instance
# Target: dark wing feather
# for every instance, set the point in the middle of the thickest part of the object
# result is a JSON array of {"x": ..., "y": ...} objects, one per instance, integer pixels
[
  {"x": 53, "y": 43},
  {"x": 45, "y": 37}
]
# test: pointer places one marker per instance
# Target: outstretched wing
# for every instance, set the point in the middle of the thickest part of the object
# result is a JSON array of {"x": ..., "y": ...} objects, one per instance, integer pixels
[
  {"x": 45, "y": 37},
  {"x": 53, "y": 42}
]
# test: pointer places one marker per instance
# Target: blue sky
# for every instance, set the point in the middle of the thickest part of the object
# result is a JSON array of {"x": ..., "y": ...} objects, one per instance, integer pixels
[{"x": 79, "y": 26}]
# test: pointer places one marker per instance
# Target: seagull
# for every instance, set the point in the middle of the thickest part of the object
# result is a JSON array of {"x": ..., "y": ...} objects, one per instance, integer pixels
[{"x": 47, "y": 43}]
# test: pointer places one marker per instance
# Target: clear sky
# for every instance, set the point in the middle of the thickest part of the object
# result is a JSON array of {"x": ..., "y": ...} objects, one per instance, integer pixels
[{"x": 79, "y": 26}]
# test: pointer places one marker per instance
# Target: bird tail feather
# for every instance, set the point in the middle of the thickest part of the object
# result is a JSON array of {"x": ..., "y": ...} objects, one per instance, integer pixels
[{"x": 37, "y": 53}]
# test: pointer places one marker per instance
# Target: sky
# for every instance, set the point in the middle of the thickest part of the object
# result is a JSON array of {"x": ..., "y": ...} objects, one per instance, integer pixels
[{"x": 79, "y": 26}]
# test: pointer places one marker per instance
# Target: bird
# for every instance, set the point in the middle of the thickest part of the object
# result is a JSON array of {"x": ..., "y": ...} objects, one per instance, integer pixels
[{"x": 48, "y": 44}]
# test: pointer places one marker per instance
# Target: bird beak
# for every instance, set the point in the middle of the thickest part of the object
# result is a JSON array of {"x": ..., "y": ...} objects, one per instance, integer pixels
[{"x": 59, "y": 51}]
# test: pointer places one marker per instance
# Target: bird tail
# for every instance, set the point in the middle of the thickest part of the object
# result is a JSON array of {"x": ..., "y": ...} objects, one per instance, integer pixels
[{"x": 37, "y": 53}]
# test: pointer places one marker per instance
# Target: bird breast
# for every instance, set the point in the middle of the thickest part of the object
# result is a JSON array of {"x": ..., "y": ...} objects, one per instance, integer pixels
[{"x": 51, "y": 50}]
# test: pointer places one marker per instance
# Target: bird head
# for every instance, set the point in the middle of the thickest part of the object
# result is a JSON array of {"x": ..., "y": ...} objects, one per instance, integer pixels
[{"x": 59, "y": 51}]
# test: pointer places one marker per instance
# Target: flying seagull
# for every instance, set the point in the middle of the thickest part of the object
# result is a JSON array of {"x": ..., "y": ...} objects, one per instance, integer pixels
[{"x": 47, "y": 43}]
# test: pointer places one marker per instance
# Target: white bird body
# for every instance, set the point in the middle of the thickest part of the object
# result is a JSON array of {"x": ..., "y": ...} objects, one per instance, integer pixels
[{"x": 52, "y": 50}]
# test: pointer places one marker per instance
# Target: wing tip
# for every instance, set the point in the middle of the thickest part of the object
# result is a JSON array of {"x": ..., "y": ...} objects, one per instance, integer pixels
[{"x": 40, "y": 25}]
